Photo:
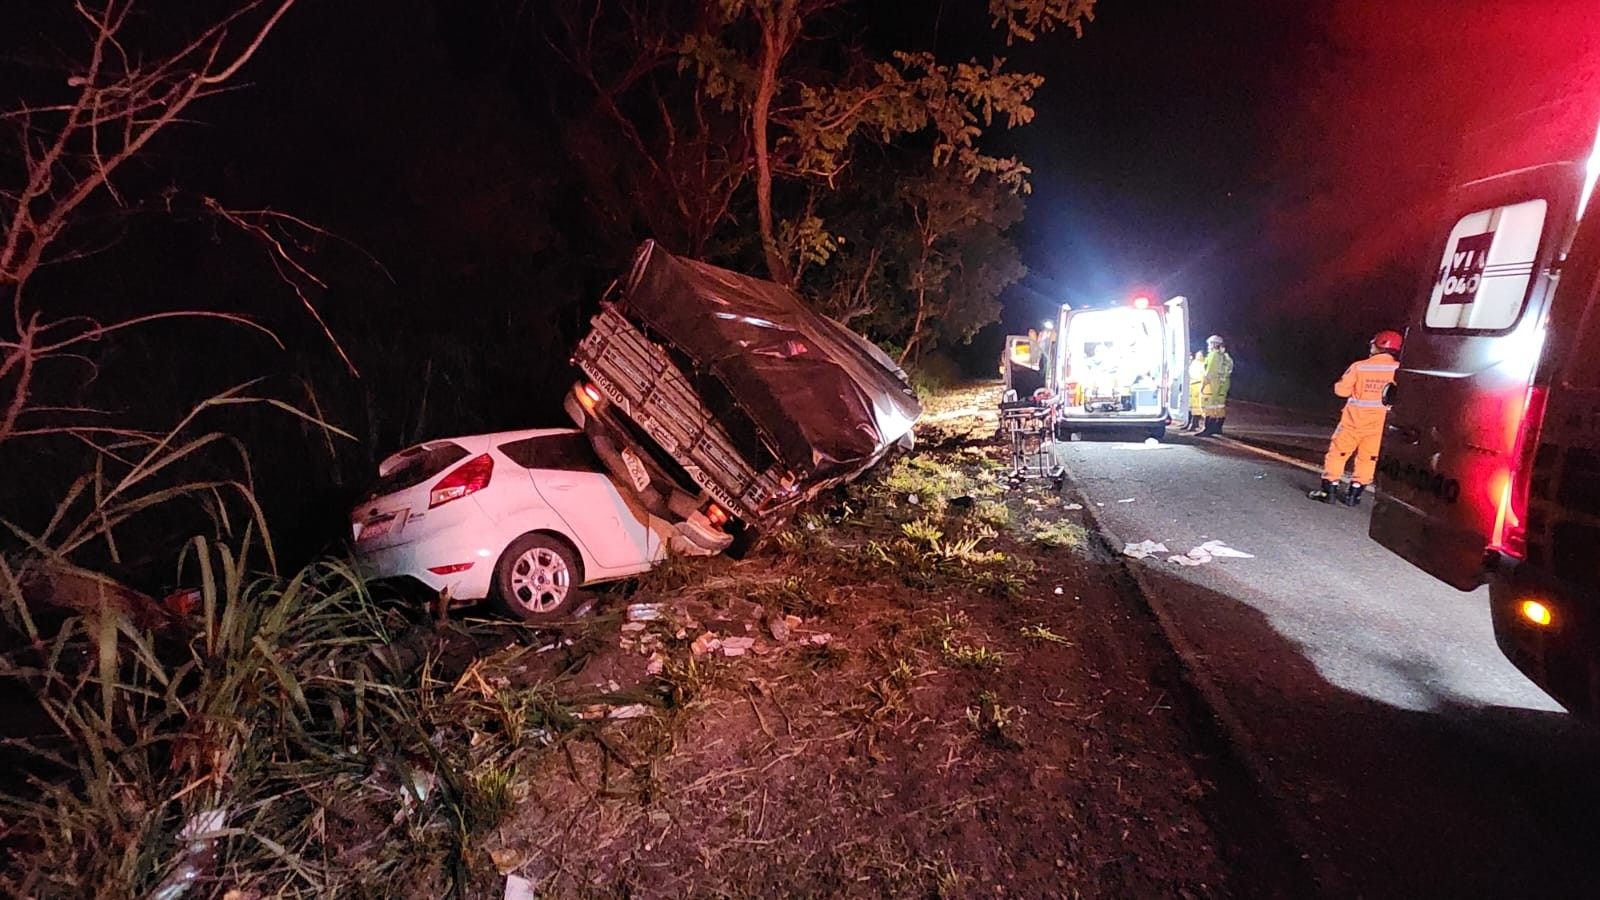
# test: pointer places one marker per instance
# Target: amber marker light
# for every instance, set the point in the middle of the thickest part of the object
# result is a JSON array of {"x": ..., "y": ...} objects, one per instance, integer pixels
[{"x": 1536, "y": 612}]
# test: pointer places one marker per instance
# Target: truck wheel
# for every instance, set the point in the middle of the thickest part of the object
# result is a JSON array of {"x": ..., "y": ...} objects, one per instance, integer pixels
[{"x": 537, "y": 577}]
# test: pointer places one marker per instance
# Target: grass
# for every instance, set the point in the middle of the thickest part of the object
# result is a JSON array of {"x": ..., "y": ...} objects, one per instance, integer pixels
[
  {"x": 1058, "y": 534},
  {"x": 972, "y": 657},
  {"x": 997, "y": 724},
  {"x": 1041, "y": 633}
]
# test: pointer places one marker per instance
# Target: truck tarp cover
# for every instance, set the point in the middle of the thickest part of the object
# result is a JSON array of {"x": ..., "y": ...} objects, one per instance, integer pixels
[{"x": 826, "y": 399}]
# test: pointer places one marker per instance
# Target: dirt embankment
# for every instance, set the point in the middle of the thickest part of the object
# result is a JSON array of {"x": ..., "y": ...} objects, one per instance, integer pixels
[{"x": 973, "y": 702}]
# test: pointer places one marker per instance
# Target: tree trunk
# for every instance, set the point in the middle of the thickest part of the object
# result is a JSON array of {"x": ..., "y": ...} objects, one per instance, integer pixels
[
  {"x": 916, "y": 325},
  {"x": 766, "y": 86}
]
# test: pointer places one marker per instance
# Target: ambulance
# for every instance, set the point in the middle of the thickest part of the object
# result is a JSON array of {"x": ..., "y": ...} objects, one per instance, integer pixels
[
  {"x": 1121, "y": 365},
  {"x": 1490, "y": 466}
]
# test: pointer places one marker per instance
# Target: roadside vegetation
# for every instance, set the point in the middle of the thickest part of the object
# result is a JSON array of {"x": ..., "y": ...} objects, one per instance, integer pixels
[{"x": 296, "y": 734}]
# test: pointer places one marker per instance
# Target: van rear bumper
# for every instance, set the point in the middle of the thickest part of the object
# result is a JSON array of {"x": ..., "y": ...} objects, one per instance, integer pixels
[{"x": 1563, "y": 657}]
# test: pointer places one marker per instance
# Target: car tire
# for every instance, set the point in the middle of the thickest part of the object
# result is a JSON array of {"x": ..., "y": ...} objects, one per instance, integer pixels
[
  {"x": 537, "y": 577},
  {"x": 1159, "y": 432}
]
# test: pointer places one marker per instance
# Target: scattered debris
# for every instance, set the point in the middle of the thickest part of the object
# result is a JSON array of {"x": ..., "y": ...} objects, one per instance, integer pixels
[
  {"x": 737, "y": 646},
  {"x": 519, "y": 888},
  {"x": 1208, "y": 551},
  {"x": 1127, "y": 500},
  {"x": 644, "y": 612},
  {"x": 632, "y": 627},
  {"x": 561, "y": 643},
  {"x": 1143, "y": 549},
  {"x": 1073, "y": 506},
  {"x": 1059, "y": 591},
  {"x": 656, "y": 665},
  {"x": 506, "y": 859},
  {"x": 584, "y": 608},
  {"x": 705, "y": 643},
  {"x": 199, "y": 839},
  {"x": 912, "y": 499},
  {"x": 822, "y": 640},
  {"x": 631, "y": 711}
]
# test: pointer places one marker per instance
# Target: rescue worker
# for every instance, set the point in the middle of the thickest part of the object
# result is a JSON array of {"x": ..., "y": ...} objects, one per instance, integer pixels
[
  {"x": 1197, "y": 374},
  {"x": 1360, "y": 428},
  {"x": 1214, "y": 386}
]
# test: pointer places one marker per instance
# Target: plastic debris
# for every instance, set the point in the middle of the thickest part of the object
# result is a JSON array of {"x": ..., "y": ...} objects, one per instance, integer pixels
[
  {"x": 822, "y": 640},
  {"x": 704, "y": 644},
  {"x": 1208, "y": 551},
  {"x": 631, "y": 711},
  {"x": 1127, "y": 499},
  {"x": 644, "y": 612},
  {"x": 656, "y": 665},
  {"x": 1059, "y": 592},
  {"x": 1143, "y": 549},
  {"x": 632, "y": 627},
  {"x": 519, "y": 888},
  {"x": 737, "y": 646},
  {"x": 1073, "y": 506}
]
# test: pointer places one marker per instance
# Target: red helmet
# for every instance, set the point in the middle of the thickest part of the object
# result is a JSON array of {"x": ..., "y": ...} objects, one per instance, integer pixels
[{"x": 1388, "y": 341}]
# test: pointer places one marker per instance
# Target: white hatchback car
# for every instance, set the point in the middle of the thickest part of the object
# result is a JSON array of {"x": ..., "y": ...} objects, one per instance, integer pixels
[{"x": 520, "y": 518}]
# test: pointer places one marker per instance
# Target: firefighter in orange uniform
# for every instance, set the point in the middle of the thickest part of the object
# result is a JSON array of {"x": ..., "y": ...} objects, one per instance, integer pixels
[{"x": 1360, "y": 428}]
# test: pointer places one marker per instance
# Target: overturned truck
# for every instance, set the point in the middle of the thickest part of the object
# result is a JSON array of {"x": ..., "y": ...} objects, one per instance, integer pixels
[{"x": 725, "y": 403}]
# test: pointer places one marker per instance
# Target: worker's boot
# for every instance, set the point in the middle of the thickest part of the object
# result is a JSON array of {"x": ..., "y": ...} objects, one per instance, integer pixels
[
  {"x": 1213, "y": 426},
  {"x": 1194, "y": 422},
  {"x": 1352, "y": 497},
  {"x": 1327, "y": 493}
]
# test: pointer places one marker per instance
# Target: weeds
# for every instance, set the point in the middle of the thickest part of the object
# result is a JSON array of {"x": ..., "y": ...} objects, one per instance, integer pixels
[
  {"x": 997, "y": 724},
  {"x": 1041, "y": 633},
  {"x": 972, "y": 657},
  {"x": 1058, "y": 534},
  {"x": 922, "y": 531},
  {"x": 794, "y": 595}
]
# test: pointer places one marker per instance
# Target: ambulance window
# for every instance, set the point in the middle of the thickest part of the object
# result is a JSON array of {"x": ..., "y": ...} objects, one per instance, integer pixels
[{"x": 1488, "y": 263}]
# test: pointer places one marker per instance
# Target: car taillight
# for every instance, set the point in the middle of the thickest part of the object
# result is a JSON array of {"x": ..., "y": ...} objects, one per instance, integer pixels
[
  {"x": 1511, "y": 519},
  {"x": 469, "y": 477}
]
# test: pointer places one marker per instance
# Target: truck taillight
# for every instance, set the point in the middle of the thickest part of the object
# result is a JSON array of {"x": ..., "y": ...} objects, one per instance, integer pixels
[
  {"x": 716, "y": 515},
  {"x": 1511, "y": 519},
  {"x": 469, "y": 477}
]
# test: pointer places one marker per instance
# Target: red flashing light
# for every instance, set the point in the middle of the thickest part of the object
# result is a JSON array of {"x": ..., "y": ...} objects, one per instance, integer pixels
[
  {"x": 1141, "y": 303},
  {"x": 469, "y": 477},
  {"x": 451, "y": 569},
  {"x": 1511, "y": 519}
]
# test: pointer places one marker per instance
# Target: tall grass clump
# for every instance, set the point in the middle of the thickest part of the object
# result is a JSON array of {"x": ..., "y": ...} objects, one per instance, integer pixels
[{"x": 275, "y": 740}]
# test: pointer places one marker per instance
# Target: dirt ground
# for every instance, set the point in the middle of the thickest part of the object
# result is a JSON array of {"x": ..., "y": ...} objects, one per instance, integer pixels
[{"x": 969, "y": 699}]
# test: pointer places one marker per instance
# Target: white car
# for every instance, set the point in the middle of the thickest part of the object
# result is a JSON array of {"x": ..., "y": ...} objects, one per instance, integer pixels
[{"x": 520, "y": 518}]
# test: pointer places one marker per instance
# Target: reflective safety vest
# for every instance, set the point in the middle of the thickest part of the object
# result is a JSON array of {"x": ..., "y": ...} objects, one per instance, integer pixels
[{"x": 1363, "y": 385}]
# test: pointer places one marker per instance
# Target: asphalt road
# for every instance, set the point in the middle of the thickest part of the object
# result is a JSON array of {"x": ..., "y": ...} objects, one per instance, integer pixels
[{"x": 1406, "y": 757}]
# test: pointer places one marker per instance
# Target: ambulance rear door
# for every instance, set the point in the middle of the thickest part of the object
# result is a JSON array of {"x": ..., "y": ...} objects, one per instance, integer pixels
[
  {"x": 1461, "y": 396},
  {"x": 1175, "y": 380}
]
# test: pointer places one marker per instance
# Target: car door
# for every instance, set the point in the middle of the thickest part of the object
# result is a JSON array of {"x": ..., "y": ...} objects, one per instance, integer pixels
[
  {"x": 612, "y": 529},
  {"x": 1462, "y": 394}
]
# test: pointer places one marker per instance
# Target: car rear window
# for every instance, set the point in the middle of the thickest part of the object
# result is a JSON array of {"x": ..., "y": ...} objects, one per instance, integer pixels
[
  {"x": 1482, "y": 282},
  {"x": 553, "y": 451},
  {"x": 417, "y": 465}
]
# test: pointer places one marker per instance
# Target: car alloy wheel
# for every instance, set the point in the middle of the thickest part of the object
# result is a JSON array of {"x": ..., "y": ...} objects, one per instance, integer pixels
[{"x": 536, "y": 577}]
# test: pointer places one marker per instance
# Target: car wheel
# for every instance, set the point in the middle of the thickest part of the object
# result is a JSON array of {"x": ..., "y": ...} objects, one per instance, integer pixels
[
  {"x": 537, "y": 577},
  {"x": 1159, "y": 432}
]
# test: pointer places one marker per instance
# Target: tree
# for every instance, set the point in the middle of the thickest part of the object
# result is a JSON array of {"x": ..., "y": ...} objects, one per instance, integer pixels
[
  {"x": 72, "y": 152},
  {"x": 805, "y": 117}
]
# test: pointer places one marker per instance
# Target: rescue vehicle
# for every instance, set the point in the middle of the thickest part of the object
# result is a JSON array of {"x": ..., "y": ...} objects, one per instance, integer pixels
[
  {"x": 1490, "y": 465},
  {"x": 1123, "y": 365}
]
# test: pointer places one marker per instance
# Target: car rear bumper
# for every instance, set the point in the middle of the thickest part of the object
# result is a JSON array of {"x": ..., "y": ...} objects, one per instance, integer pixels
[
  {"x": 1562, "y": 657},
  {"x": 436, "y": 549}
]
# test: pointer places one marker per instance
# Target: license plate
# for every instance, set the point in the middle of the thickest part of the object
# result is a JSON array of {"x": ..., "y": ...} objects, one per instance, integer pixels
[
  {"x": 636, "y": 471},
  {"x": 377, "y": 528}
]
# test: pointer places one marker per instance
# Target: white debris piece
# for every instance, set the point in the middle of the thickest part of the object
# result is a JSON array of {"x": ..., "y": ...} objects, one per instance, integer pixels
[
  {"x": 631, "y": 711},
  {"x": 1073, "y": 506},
  {"x": 1143, "y": 549},
  {"x": 519, "y": 888},
  {"x": 737, "y": 646},
  {"x": 644, "y": 612},
  {"x": 1127, "y": 499},
  {"x": 1207, "y": 552}
]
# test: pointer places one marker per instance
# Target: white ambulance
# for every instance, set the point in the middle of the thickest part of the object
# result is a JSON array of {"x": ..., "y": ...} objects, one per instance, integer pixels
[{"x": 1122, "y": 365}]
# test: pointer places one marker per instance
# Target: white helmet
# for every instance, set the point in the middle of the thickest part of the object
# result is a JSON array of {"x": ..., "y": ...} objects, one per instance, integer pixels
[{"x": 1214, "y": 341}]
